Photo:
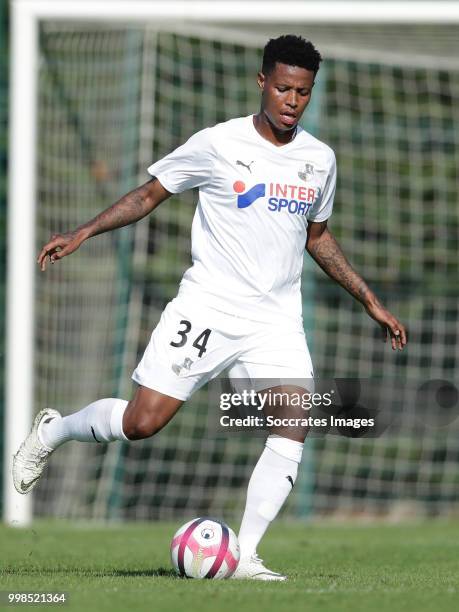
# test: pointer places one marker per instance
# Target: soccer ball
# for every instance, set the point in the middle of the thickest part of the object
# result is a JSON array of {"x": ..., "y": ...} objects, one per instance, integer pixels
[{"x": 205, "y": 548}]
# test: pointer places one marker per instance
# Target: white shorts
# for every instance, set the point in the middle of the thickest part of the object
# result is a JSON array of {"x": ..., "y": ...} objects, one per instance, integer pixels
[{"x": 193, "y": 344}]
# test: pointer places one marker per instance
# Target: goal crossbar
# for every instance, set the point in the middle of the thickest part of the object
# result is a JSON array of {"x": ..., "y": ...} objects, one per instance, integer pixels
[{"x": 242, "y": 11}]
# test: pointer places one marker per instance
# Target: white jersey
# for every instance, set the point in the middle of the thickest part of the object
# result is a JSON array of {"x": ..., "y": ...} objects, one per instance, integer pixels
[{"x": 249, "y": 228}]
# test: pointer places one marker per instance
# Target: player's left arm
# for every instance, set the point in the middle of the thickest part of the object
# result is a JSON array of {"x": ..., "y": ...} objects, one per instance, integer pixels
[{"x": 324, "y": 249}]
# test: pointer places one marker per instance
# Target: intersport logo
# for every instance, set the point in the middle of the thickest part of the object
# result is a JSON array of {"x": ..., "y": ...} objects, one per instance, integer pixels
[
  {"x": 294, "y": 199},
  {"x": 249, "y": 197}
]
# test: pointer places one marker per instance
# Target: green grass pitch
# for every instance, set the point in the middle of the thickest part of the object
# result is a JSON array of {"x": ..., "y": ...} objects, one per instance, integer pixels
[{"x": 332, "y": 567}]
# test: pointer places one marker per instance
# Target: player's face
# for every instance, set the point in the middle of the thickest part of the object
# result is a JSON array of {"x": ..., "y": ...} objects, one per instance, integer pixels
[{"x": 286, "y": 92}]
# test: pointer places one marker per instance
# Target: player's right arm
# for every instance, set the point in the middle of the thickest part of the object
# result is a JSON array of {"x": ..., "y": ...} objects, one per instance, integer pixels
[{"x": 130, "y": 208}]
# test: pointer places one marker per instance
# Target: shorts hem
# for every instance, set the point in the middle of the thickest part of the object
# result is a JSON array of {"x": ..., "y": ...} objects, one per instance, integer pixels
[{"x": 161, "y": 388}]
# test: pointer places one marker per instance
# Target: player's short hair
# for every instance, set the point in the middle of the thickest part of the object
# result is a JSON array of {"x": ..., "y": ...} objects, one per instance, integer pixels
[{"x": 291, "y": 50}]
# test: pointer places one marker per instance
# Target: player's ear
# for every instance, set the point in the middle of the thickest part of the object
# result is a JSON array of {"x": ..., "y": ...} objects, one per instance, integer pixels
[{"x": 261, "y": 80}]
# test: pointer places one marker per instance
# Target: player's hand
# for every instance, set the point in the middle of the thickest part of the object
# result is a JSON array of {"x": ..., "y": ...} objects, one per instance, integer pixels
[
  {"x": 58, "y": 247},
  {"x": 390, "y": 326}
]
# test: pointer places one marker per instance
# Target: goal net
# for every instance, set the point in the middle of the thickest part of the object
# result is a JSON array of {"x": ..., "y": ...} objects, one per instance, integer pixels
[{"x": 112, "y": 99}]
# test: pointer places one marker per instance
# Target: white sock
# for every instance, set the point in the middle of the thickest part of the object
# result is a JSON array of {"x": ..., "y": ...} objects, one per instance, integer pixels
[
  {"x": 101, "y": 421},
  {"x": 271, "y": 482}
]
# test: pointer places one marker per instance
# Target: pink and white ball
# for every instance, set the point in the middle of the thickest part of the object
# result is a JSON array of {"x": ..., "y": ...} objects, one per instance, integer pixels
[{"x": 205, "y": 548}]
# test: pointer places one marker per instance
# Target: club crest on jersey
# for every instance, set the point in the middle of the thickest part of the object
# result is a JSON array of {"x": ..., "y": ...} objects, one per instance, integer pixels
[
  {"x": 306, "y": 173},
  {"x": 186, "y": 365}
]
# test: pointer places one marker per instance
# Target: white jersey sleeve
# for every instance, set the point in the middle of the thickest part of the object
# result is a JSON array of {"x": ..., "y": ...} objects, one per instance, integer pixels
[
  {"x": 323, "y": 207},
  {"x": 190, "y": 165}
]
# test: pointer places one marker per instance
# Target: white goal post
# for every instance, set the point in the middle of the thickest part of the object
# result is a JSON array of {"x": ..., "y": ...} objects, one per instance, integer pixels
[{"x": 25, "y": 18}]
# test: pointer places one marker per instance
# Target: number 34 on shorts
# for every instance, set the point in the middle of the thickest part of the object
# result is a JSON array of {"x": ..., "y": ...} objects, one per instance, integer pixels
[
  {"x": 199, "y": 343},
  {"x": 184, "y": 339},
  {"x": 184, "y": 345}
]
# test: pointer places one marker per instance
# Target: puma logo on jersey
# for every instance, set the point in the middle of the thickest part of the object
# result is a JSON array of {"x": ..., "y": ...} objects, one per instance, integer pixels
[
  {"x": 290, "y": 479},
  {"x": 239, "y": 163}
]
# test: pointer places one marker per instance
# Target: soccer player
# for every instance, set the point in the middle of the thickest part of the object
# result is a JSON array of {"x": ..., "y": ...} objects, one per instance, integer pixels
[{"x": 266, "y": 190}]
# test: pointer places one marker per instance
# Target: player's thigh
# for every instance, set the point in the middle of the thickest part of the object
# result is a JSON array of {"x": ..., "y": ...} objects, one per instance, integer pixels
[{"x": 188, "y": 347}]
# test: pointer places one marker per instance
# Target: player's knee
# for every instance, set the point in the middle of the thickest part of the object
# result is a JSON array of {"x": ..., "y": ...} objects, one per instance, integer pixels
[
  {"x": 141, "y": 427},
  {"x": 147, "y": 413}
]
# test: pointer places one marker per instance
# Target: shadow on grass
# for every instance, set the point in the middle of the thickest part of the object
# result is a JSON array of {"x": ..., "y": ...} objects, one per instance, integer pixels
[{"x": 90, "y": 573}]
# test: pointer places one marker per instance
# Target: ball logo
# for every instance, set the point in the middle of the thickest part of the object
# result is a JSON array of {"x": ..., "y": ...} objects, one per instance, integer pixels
[
  {"x": 207, "y": 534},
  {"x": 249, "y": 197}
]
